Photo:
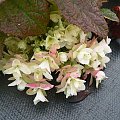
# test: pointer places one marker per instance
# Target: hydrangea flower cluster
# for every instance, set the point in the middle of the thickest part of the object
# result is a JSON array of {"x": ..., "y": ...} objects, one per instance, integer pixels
[{"x": 64, "y": 50}]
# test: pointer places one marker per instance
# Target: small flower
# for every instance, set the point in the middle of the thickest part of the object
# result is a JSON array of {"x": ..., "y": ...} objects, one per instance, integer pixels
[
  {"x": 55, "y": 17},
  {"x": 72, "y": 86},
  {"x": 42, "y": 85},
  {"x": 102, "y": 48},
  {"x": 16, "y": 68},
  {"x": 39, "y": 88},
  {"x": 95, "y": 64},
  {"x": 50, "y": 41},
  {"x": 45, "y": 67},
  {"x": 63, "y": 57},
  {"x": 20, "y": 84},
  {"x": 84, "y": 56},
  {"x": 40, "y": 97},
  {"x": 99, "y": 77}
]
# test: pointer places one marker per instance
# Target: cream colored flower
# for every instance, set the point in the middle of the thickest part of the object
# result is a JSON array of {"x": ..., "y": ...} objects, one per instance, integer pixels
[
  {"x": 95, "y": 64},
  {"x": 40, "y": 96},
  {"x": 104, "y": 60},
  {"x": 50, "y": 41},
  {"x": 72, "y": 86},
  {"x": 63, "y": 57},
  {"x": 103, "y": 48},
  {"x": 55, "y": 17},
  {"x": 20, "y": 84},
  {"x": 84, "y": 56},
  {"x": 46, "y": 71},
  {"x": 99, "y": 77},
  {"x": 16, "y": 68}
]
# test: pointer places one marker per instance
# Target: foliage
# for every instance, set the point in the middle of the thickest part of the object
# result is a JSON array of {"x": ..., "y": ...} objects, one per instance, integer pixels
[{"x": 24, "y": 18}]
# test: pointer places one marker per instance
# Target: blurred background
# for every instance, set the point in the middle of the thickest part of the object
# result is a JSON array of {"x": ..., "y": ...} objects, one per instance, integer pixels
[{"x": 114, "y": 27}]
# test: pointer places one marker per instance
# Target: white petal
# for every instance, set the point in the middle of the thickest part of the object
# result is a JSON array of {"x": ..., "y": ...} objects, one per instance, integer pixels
[
  {"x": 61, "y": 90},
  {"x": 39, "y": 97},
  {"x": 82, "y": 87},
  {"x": 97, "y": 83},
  {"x": 9, "y": 71},
  {"x": 16, "y": 82},
  {"x": 16, "y": 75},
  {"x": 73, "y": 89},
  {"x": 105, "y": 59},
  {"x": 45, "y": 65},
  {"x": 108, "y": 40},
  {"x": 24, "y": 68},
  {"x": 11, "y": 78},
  {"x": 15, "y": 62},
  {"x": 47, "y": 75},
  {"x": 67, "y": 92},
  {"x": 84, "y": 61},
  {"x": 95, "y": 64},
  {"x": 107, "y": 49},
  {"x": 21, "y": 86},
  {"x": 63, "y": 57}
]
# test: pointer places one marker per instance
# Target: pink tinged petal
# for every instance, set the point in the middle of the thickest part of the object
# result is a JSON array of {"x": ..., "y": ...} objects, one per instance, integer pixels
[
  {"x": 43, "y": 80},
  {"x": 75, "y": 75},
  {"x": 53, "y": 51},
  {"x": 46, "y": 86},
  {"x": 86, "y": 74},
  {"x": 73, "y": 69},
  {"x": 100, "y": 76},
  {"x": 94, "y": 73},
  {"x": 39, "y": 97},
  {"x": 63, "y": 81},
  {"x": 33, "y": 85},
  {"x": 60, "y": 77}
]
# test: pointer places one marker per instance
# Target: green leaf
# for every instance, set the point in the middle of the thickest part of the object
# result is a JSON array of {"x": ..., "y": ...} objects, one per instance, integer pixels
[
  {"x": 109, "y": 14},
  {"x": 24, "y": 17},
  {"x": 85, "y": 14}
]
